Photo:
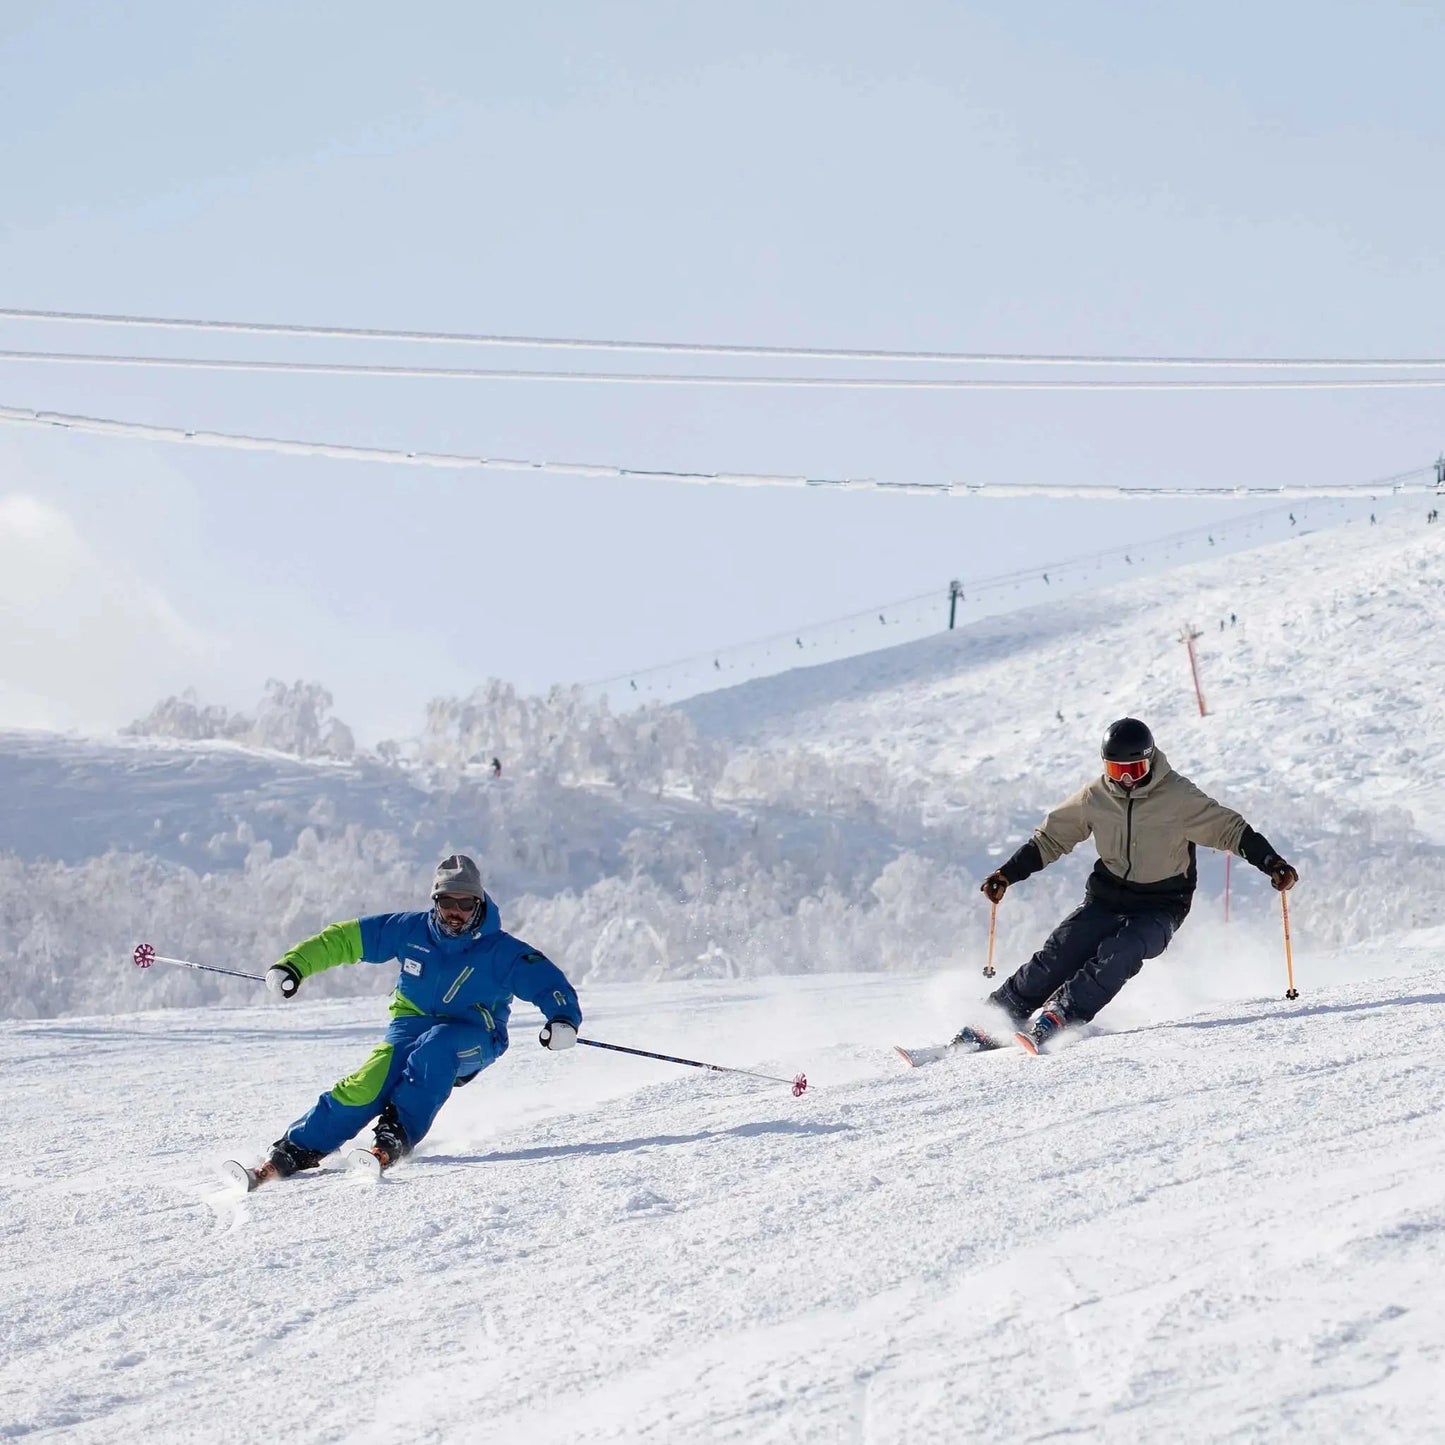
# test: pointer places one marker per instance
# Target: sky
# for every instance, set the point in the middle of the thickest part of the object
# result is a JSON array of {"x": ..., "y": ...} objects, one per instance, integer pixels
[{"x": 1254, "y": 180}]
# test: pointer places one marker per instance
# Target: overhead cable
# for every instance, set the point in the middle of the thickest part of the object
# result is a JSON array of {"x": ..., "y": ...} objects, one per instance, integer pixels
[
  {"x": 102, "y": 426},
  {"x": 634, "y": 378},
  {"x": 692, "y": 348}
]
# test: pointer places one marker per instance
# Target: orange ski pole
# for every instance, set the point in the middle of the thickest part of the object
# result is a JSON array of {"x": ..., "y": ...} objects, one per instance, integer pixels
[
  {"x": 992, "y": 926},
  {"x": 1291, "y": 991}
]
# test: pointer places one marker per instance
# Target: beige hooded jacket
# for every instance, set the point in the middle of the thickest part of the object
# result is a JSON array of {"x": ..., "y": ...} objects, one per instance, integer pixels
[{"x": 1146, "y": 837}]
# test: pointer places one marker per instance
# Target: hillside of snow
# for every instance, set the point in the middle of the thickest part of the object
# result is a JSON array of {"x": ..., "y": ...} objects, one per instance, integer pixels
[
  {"x": 1214, "y": 1214},
  {"x": 1224, "y": 1226},
  {"x": 830, "y": 819}
]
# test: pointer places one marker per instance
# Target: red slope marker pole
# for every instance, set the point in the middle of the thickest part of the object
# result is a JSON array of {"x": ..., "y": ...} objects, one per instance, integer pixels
[
  {"x": 1187, "y": 638},
  {"x": 145, "y": 955},
  {"x": 799, "y": 1084}
]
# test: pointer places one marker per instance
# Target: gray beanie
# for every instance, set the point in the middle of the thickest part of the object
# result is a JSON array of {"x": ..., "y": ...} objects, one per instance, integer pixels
[{"x": 458, "y": 874}]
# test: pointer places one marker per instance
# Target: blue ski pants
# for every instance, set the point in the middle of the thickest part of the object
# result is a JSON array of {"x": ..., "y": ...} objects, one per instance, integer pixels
[
  {"x": 1087, "y": 959},
  {"x": 413, "y": 1069}
]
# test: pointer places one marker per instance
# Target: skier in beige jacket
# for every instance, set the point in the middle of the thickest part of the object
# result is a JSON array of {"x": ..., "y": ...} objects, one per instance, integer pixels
[{"x": 1145, "y": 820}]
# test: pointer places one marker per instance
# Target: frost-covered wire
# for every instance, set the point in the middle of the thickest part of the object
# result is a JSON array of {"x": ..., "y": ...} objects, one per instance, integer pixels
[
  {"x": 697, "y": 348},
  {"x": 1412, "y": 481},
  {"x": 663, "y": 378}
]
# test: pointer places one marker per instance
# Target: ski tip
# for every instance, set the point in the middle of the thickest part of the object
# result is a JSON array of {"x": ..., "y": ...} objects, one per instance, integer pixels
[
  {"x": 363, "y": 1164},
  {"x": 1026, "y": 1043},
  {"x": 905, "y": 1056},
  {"x": 234, "y": 1172}
]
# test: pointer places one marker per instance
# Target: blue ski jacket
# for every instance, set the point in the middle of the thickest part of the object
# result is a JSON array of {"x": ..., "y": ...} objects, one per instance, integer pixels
[{"x": 471, "y": 978}]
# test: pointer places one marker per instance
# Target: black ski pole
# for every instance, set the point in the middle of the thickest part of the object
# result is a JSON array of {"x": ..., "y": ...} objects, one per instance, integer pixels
[
  {"x": 799, "y": 1084},
  {"x": 145, "y": 955}
]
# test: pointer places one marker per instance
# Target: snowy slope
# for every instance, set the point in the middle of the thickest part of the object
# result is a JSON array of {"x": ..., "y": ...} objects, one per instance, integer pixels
[
  {"x": 1325, "y": 725},
  {"x": 857, "y": 807},
  {"x": 1215, "y": 1217},
  {"x": 1329, "y": 682},
  {"x": 1220, "y": 1227}
]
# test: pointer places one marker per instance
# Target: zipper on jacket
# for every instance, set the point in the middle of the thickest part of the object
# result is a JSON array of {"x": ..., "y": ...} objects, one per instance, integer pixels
[
  {"x": 462, "y": 977},
  {"x": 1128, "y": 836}
]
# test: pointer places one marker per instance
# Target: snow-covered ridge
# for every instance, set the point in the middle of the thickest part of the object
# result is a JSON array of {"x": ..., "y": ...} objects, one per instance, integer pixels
[{"x": 854, "y": 810}]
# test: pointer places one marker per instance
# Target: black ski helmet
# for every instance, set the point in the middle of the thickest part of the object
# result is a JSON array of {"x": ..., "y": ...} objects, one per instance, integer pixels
[{"x": 1127, "y": 740}]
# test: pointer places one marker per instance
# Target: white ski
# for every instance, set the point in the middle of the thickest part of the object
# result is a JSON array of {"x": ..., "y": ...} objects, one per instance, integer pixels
[
  {"x": 363, "y": 1163},
  {"x": 917, "y": 1058},
  {"x": 236, "y": 1173},
  {"x": 979, "y": 1042}
]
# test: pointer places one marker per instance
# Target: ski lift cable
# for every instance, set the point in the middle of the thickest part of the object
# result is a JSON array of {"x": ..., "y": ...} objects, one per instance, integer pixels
[
  {"x": 240, "y": 441},
  {"x": 658, "y": 378},
  {"x": 972, "y": 588},
  {"x": 693, "y": 348}
]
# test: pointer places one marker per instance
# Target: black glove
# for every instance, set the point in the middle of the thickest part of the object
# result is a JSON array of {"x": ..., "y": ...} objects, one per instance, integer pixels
[
  {"x": 283, "y": 979},
  {"x": 465, "y": 1079},
  {"x": 995, "y": 885},
  {"x": 1281, "y": 874},
  {"x": 558, "y": 1034}
]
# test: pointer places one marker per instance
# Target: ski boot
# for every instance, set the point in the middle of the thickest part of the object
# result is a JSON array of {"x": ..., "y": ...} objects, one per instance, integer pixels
[
  {"x": 974, "y": 1040},
  {"x": 390, "y": 1145},
  {"x": 284, "y": 1160},
  {"x": 1044, "y": 1028}
]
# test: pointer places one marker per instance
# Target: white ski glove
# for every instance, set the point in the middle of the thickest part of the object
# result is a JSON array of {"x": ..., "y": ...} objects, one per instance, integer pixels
[
  {"x": 283, "y": 979},
  {"x": 558, "y": 1034}
]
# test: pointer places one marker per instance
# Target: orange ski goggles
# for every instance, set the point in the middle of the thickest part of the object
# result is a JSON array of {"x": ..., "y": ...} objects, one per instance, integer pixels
[{"x": 1134, "y": 772}]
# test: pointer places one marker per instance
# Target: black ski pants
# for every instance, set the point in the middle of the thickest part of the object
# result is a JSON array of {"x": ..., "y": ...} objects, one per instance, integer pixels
[{"x": 1087, "y": 959}]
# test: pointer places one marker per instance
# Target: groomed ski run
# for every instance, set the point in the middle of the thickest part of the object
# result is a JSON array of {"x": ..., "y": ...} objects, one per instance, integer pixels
[{"x": 1184, "y": 1227}]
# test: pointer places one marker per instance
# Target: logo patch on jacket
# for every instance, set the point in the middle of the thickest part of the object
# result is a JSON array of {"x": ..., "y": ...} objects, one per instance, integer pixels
[{"x": 412, "y": 966}]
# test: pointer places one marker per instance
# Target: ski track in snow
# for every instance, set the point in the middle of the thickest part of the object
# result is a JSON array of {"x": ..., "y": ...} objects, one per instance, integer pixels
[{"x": 1222, "y": 1227}]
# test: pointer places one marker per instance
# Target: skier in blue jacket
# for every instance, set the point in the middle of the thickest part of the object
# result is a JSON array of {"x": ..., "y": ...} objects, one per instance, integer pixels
[{"x": 459, "y": 973}]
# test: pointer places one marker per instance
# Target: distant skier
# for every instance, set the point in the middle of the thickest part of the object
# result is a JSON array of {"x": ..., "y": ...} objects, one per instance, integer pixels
[
  {"x": 496, "y": 767},
  {"x": 1145, "y": 820},
  {"x": 459, "y": 973}
]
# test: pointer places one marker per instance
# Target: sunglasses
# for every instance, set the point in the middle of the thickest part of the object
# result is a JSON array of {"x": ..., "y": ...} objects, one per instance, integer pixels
[
  {"x": 1135, "y": 772},
  {"x": 455, "y": 902}
]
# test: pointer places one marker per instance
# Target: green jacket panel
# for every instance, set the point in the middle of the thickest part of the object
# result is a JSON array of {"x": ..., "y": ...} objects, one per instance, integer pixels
[{"x": 336, "y": 944}]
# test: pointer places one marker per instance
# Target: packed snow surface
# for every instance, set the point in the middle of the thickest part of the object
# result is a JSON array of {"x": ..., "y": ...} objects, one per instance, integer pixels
[
  {"x": 1216, "y": 1215},
  {"x": 1222, "y": 1226}
]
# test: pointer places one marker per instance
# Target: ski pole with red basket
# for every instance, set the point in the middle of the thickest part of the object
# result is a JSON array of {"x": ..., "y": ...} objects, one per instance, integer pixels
[
  {"x": 144, "y": 956},
  {"x": 799, "y": 1084}
]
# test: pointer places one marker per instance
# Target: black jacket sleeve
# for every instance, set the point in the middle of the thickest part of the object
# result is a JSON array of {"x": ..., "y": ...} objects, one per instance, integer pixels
[
  {"x": 1256, "y": 848},
  {"x": 1026, "y": 860}
]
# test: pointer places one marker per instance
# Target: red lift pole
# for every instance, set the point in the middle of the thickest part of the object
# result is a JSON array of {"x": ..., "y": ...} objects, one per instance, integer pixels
[{"x": 1187, "y": 638}]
